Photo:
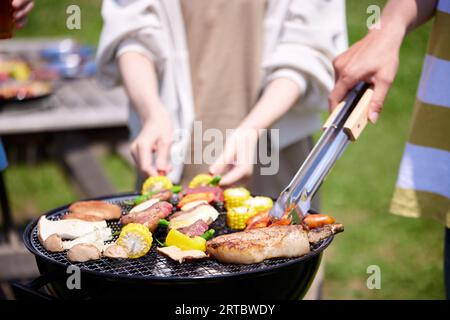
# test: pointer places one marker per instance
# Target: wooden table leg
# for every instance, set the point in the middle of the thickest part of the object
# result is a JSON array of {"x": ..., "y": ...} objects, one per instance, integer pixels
[{"x": 77, "y": 156}]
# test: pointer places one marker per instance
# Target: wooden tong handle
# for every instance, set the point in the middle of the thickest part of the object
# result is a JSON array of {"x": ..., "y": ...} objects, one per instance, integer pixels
[{"x": 357, "y": 120}]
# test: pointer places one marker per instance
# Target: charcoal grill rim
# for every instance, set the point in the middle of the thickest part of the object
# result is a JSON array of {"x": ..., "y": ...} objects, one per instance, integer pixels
[{"x": 28, "y": 233}]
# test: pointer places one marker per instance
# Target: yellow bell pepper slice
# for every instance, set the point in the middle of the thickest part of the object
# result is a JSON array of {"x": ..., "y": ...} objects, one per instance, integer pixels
[{"x": 184, "y": 242}]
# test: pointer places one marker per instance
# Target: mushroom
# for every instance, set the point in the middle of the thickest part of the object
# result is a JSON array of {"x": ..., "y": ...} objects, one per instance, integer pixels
[
  {"x": 179, "y": 255},
  {"x": 96, "y": 238},
  {"x": 53, "y": 243},
  {"x": 83, "y": 252},
  {"x": 66, "y": 229},
  {"x": 114, "y": 251}
]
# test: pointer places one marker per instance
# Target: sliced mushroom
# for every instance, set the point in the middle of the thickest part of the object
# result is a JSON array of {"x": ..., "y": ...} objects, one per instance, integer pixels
[
  {"x": 114, "y": 251},
  {"x": 96, "y": 238},
  {"x": 53, "y": 243},
  {"x": 66, "y": 229},
  {"x": 83, "y": 252},
  {"x": 179, "y": 255}
]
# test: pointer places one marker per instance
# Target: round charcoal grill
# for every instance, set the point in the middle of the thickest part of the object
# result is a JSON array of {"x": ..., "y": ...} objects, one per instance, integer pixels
[{"x": 155, "y": 276}]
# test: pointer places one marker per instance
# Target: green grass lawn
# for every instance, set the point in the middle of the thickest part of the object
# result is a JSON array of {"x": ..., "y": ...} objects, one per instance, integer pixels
[{"x": 357, "y": 192}]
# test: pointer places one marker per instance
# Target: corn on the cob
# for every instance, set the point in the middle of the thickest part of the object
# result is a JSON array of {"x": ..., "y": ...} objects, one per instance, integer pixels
[
  {"x": 237, "y": 217},
  {"x": 259, "y": 204},
  {"x": 200, "y": 180},
  {"x": 235, "y": 197},
  {"x": 156, "y": 183},
  {"x": 136, "y": 239}
]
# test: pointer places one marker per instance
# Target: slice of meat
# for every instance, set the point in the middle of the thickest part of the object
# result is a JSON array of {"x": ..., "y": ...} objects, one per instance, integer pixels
[
  {"x": 93, "y": 211},
  {"x": 256, "y": 245},
  {"x": 218, "y": 192},
  {"x": 164, "y": 195},
  {"x": 198, "y": 228},
  {"x": 319, "y": 234},
  {"x": 149, "y": 217},
  {"x": 204, "y": 212},
  {"x": 179, "y": 255}
]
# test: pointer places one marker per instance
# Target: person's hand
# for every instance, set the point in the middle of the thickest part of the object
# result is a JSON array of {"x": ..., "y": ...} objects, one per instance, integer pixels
[
  {"x": 235, "y": 163},
  {"x": 21, "y": 9},
  {"x": 373, "y": 59},
  {"x": 155, "y": 137}
]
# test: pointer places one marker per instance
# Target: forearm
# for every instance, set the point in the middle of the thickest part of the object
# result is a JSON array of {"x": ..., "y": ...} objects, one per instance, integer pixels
[
  {"x": 141, "y": 83},
  {"x": 402, "y": 16},
  {"x": 278, "y": 97}
]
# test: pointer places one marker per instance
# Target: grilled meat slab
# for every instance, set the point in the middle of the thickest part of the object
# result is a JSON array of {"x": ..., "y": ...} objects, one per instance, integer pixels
[
  {"x": 198, "y": 228},
  {"x": 257, "y": 245},
  {"x": 149, "y": 217}
]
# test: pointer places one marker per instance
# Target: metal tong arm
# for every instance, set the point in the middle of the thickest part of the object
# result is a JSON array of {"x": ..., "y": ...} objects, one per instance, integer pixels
[{"x": 345, "y": 123}]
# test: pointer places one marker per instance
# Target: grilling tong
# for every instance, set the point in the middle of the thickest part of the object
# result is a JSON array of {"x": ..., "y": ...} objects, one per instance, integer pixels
[{"x": 345, "y": 124}]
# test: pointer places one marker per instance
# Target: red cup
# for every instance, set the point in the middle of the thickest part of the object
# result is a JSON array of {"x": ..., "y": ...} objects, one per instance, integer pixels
[{"x": 6, "y": 19}]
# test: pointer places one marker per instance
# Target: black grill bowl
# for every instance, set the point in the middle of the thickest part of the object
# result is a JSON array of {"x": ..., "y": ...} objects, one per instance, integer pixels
[{"x": 157, "y": 277}]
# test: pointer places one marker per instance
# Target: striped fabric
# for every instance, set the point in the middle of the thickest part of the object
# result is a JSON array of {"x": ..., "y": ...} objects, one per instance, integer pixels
[{"x": 423, "y": 185}]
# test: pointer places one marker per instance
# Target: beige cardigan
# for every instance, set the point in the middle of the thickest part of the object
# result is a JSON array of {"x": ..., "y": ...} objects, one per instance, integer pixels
[{"x": 301, "y": 39}]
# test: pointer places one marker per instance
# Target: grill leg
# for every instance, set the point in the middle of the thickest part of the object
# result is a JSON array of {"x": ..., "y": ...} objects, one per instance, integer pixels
[{"x": 6, "y": 210}]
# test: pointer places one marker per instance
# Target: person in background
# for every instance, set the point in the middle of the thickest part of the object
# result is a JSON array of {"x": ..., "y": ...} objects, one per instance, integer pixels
[
  {"x": 423, "y": 185},
  {"x": 243, "y": 65},
  {"x": 21, "y": 8}
]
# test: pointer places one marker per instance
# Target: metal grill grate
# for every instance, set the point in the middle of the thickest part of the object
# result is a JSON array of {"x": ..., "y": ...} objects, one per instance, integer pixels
[{"x": 154, "y": 265}]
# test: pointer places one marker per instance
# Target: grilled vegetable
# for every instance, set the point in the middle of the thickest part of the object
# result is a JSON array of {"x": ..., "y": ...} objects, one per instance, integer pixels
[
  {"x": 200, "y": 180},
  {"x": 179, "y": 240},
  {"x": 83, "y": 252},
  {"x": 206, "y": 196},
  {"x": 163, "y": 223},
  {"x": 136, "y": 239},
  {"x": 204, "y": 179},
  {"x": 152, "y": 195},
  {"x": 259, "y": 204},
  {"x": 208, "y": 234},
  {"x": 215, "y": 181},
  {"x": 66, "y": 229},
  {"x": 235, "y": 197},
  {"x": 259, "y": 220},
  {"x": 237, "y": 217},
  {"x": 217, "y": 191},
  {"x": 156, "y": 183},
  {"x": 318, "y": 220}
]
